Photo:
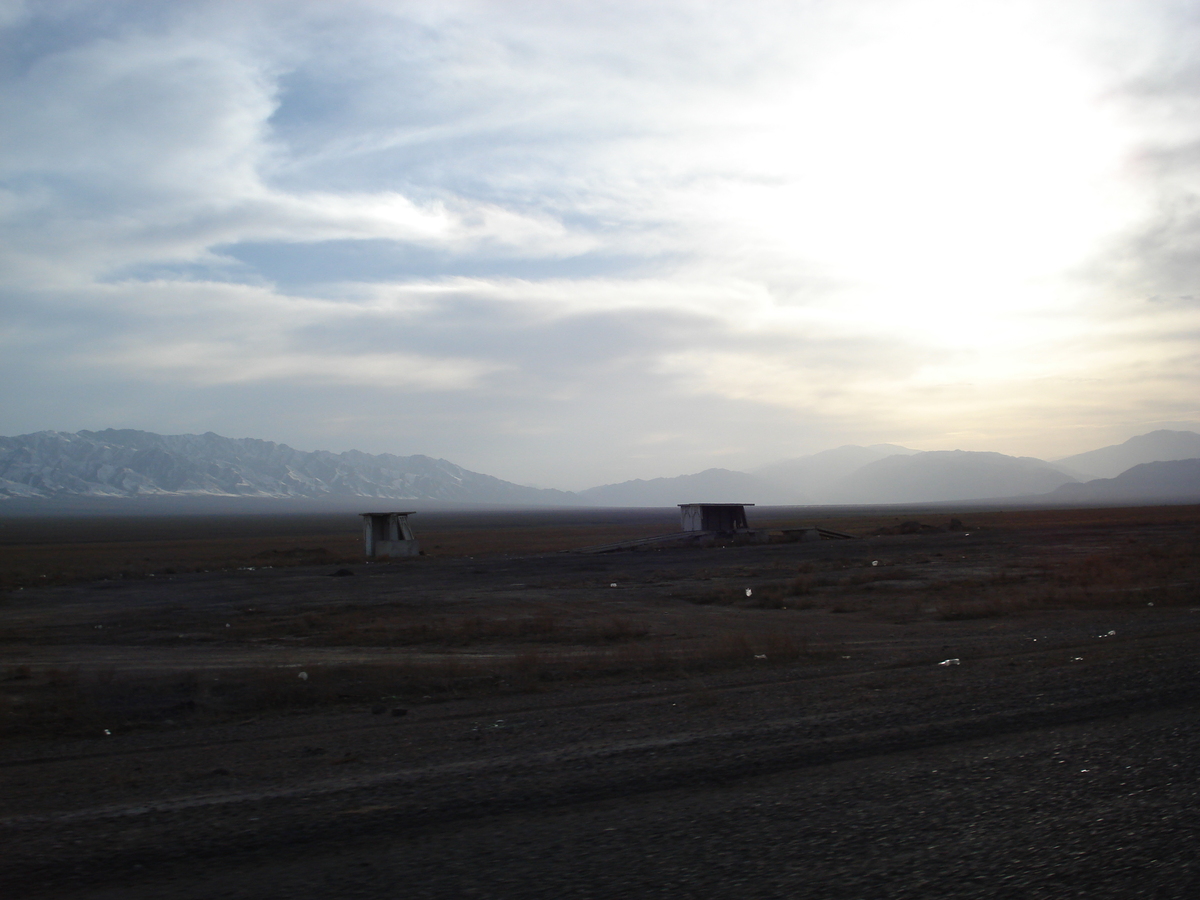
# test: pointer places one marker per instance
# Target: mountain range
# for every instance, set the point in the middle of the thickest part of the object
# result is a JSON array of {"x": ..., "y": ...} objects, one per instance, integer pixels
[
  {"x": 126, "y": 463},
  {"x": 1169, "y": 481},
  {"x": 940, "y": 475},
  {"x": 888, "y": 473},
  {"x": 1157, "y": 446},
  {"x": 122, "y": 463}
]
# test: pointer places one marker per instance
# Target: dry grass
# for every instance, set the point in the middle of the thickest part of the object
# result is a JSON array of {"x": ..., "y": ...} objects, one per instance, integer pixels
[
  {"x": 30, "y": 564},
  {"x": 765, "y": 595},
  {"x": 471, "y": 630},
  {"x": 972, "y": 520},
  {"x": 39, "y": 565},
  {"x": 397, "y": 625},
  {"x": 61, "y": 551},
  {"x": 526, "y": 643},
  {"x": 1126, "y": 573},
  {"x": 77, "y": 701}
]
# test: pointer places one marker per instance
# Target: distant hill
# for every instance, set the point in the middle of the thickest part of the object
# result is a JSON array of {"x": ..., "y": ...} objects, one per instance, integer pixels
[
  {"x": 125, "y": 463},
  {"x": 1172, "y": 481},
  {"x": 711, "y": 485},
  {"x": 1157, "y": 446},
  {"x": 815, "y": 475},
  {"x": 948, "y": 475},
  {"x": 94, "y": 466}
]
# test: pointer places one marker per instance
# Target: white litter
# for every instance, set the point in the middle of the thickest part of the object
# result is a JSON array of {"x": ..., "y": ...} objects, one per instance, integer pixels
[
  {"x": 760, "y": 656},
  {"x": 1110, "y": 634},
  {"x": 749, "y": 591},
  {"x": 874, "y": 562},
  {"x": 303, "y": 676},
  {"x": 614, "y": 584},
  {"x": 950, "y": 662}
]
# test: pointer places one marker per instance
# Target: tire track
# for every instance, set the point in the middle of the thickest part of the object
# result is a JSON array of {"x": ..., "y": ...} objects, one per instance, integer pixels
[{"x": 117, "y": 838}]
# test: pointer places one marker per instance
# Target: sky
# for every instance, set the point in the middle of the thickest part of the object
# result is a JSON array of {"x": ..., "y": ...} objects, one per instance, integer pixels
[{"x": 568, "y": 244}]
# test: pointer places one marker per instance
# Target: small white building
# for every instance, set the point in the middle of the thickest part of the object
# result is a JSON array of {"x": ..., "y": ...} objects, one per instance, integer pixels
[
  {"x": 723, "y": 518},
  {"x": 389, "y": 534}
]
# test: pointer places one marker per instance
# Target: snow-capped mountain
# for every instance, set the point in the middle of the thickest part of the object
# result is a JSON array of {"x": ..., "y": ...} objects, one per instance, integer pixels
[{"x": 126, "y": 463}]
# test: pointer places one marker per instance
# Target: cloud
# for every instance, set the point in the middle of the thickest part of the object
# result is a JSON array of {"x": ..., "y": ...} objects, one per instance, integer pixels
[{"x": 575, "y": 241}]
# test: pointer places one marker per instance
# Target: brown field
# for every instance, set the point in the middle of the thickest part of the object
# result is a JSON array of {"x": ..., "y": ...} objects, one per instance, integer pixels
[
  {"x": 36, "y": 552},
  {"x": 177, "y": 690},
  {"x": 63, "y": 549}
]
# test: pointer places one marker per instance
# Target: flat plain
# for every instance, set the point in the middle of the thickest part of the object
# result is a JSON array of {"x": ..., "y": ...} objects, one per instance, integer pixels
[{"x": 997, "y": 704}]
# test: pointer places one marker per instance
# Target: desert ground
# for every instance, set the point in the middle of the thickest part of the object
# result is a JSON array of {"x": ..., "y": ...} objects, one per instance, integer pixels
[{"x": 982, "y": 703}]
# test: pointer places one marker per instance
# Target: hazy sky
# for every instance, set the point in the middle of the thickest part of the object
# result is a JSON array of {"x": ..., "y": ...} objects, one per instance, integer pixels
[{"x": 574, "y": 243}]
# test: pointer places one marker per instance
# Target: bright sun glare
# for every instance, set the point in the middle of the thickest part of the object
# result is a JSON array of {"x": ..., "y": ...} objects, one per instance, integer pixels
[{"x": 946, "y": 174}]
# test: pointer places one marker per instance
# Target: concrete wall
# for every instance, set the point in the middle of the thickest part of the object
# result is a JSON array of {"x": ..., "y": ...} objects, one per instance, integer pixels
[
  {"x": 388, "y": 534},
  {"x": 719, "y": 517}
]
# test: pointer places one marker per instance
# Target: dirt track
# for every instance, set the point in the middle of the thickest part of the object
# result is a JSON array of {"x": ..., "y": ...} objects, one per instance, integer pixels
[{"x": 1054, "y": 760}]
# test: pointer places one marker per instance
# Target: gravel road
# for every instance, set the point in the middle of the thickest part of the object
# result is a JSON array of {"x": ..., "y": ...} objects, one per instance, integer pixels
[{"x": 1032, "y": 774}]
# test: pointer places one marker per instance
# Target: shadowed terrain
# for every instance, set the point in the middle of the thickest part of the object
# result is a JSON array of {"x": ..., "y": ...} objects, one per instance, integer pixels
[{"x": 989, "y": 704}]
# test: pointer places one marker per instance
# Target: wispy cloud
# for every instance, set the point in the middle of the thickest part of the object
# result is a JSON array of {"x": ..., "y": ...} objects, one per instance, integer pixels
[{"x": 568, "y": 243}]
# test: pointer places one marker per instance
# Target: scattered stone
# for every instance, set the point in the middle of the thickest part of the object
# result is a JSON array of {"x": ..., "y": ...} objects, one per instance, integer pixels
[
  {"x": 340, "y": 573},
  {"x": 399, "y": 711},
  {"x": 378, "y": 710}
]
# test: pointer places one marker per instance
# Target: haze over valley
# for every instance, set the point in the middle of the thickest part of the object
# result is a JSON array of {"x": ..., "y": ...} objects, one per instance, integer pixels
[{"x": 124, "y": 464}]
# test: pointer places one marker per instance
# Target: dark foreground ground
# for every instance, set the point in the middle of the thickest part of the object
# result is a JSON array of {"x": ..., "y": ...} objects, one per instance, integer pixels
[{"x": 516, "y": 726}]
